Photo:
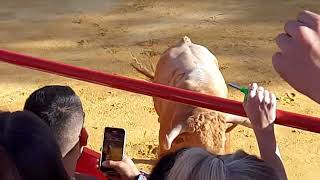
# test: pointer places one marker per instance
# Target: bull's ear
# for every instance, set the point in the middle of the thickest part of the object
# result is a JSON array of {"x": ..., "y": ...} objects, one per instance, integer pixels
[{"x": 234, "y": 119}]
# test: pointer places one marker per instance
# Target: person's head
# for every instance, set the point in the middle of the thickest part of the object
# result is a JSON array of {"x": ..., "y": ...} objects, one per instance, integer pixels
[
  {"x": 199, "y": 164},
  {"x": 31, "y": 146},
  {"x": 161, "y": 170},
  {"x": 62, "y": 110}
]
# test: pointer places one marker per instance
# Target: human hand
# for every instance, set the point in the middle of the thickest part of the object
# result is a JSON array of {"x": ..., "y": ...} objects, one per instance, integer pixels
[
  {"x": 298, "y": 61},
  {"x": 126, "y": 168},
  {"x": 260, "y": 107}
]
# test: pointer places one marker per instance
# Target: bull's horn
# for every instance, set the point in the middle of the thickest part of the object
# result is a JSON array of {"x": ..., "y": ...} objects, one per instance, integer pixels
[
  {"x": 234, "y": 119},
  {"x": 173, "y": 134}
]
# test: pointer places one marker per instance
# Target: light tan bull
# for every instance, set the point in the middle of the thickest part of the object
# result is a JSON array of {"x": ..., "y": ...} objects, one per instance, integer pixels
[{"x": 192, "y": 67}]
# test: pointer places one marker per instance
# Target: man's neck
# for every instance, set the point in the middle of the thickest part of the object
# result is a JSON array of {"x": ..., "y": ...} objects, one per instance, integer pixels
[
  {"x": 70, "y": 165},
  {"x": 70, "y": 160}
]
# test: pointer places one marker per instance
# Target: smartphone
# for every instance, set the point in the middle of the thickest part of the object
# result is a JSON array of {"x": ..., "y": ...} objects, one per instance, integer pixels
[{"x": 112, "y": 147}]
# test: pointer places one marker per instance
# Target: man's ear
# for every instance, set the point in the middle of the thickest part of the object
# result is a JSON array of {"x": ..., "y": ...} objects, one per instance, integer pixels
[{"x": 83, "y": 137}]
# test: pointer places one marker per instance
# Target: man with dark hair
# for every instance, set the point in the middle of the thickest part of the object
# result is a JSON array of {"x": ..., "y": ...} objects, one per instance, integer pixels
[{"x": 62, "y": 110}]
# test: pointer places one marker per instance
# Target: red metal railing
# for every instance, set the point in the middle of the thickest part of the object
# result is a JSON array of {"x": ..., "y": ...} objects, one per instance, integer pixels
[{"x": 285, "y": 118}]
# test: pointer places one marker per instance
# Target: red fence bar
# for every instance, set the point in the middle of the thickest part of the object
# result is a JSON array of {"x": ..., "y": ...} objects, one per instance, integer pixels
[{"x": 285, "y": 118}]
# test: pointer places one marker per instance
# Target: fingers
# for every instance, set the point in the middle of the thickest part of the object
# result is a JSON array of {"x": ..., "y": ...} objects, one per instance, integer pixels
[
  {"x": 113, "y": 164},
  {"x": 252, "y": 90},
  {"x": 292, "y": 28},
  {"x": 280, "y": 64},
  {"x": 310, "y": 19},
  {"x": 284, "y": 42},
  {"x": 273, "y": 99},
  {"x": 260, "y": 93},
  {"x": 119, "y": 166},
  {"x": 105, "y": 163},
  {"x": 128, "y": 161},
  {"x": 299, "y": 31},
  {"x": 266, "y": 98}
]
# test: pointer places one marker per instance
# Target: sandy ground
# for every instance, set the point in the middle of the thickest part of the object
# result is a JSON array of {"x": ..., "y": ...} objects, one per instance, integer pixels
[{"x": 101, "y": 34}]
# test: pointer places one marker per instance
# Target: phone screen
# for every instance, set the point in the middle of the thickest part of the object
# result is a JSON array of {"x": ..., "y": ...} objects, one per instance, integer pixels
[{"x": 113, "y": 146}]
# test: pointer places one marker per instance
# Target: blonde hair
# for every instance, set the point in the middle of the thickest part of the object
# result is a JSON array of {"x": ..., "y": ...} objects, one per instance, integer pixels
[{"x": 199, "y": 164}]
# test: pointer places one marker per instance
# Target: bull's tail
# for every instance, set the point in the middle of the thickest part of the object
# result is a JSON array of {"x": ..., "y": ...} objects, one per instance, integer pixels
[{"x": 137, "y": 65}]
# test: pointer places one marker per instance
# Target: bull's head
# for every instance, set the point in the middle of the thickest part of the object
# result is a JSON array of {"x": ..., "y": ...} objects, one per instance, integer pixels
[{"x": 203, "y": 129}]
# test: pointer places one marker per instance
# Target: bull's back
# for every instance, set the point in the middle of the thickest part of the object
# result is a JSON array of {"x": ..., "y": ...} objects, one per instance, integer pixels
[{"x": 189, "y": 66}]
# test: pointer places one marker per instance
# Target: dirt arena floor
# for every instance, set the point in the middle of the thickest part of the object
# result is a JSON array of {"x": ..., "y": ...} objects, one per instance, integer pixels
[{"x": 105, "y": 34}]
